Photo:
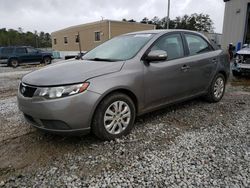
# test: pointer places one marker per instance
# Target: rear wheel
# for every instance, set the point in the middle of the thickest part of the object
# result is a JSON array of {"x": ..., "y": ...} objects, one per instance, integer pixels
[
  {"x": 14, "y": 63},
  {"x": 217, "y": 89},
  {"x": 114, "y": 117},
  {"x": 46, "y": 60}
]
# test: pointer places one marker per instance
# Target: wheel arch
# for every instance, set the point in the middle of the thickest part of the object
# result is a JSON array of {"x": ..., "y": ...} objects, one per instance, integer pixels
[
  {"x": 125, "y": 91},
  {"x": 224, "y": 74}
]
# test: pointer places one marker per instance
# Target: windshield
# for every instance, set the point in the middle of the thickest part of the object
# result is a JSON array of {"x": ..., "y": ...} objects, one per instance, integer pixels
[{"x": 120, "y": 48}]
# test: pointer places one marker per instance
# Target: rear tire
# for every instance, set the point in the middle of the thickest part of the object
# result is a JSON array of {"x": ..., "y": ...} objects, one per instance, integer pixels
[
  {"x": 217, "y": 89},
  {"x": 114, "y": 117},
  {"x": 14, "y": 63},
  {"x": 46, "y": 60}
]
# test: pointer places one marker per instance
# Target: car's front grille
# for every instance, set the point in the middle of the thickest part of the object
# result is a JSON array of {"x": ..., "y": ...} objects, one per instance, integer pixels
[{"x": 27, "y": 91}]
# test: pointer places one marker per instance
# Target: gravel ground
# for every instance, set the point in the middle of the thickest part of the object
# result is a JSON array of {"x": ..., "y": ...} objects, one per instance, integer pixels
[{"x": 193, "y": 144}]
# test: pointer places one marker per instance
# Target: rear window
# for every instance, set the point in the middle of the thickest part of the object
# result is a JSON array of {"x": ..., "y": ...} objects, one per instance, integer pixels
[
  {"x": 197, "y": 44},
  {"x": 7, "y": 50}
]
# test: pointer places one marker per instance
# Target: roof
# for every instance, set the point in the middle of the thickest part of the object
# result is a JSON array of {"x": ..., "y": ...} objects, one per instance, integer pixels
[
  {"x": 158, "y": 31},
  {"x": 99, "y": 22}
]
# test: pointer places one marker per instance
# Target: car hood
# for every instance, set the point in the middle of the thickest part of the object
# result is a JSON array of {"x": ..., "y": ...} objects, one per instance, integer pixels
[
  {"x": 244, "y": 51},
  {"x": 70, "y": 72}
]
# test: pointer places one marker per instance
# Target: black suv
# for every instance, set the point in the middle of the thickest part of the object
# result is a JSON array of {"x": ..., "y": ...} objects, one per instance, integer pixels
[{"x": 13, "y": 56}]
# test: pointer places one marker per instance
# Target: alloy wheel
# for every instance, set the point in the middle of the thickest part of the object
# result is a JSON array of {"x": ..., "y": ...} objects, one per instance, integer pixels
[
  {"x": 219, "y": 87},
  {"x": 117, "y": 117}
]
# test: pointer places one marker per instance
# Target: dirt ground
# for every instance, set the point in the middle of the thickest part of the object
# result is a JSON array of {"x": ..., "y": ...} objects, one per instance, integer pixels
[{"x": 24, "y": 150}]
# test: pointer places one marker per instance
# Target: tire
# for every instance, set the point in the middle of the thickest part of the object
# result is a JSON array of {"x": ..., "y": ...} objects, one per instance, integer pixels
[
  {"x": 46, "y": 60},
  {"x": 107, "y": 123},
  {"x": 14, "y": 63},
  {"x": 236, "y": 74},
  {"x": 217, "y": 89}
]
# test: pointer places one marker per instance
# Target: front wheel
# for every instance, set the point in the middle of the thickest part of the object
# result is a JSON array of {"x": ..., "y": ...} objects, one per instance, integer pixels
[
  {"x": 217, "y": 89},
  {"x": 46, "y": 60},
  {"x": 114, "y": 117}
]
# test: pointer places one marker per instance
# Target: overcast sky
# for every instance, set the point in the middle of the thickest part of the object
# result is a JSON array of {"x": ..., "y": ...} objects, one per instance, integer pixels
[{"x": 52, "y": 15}]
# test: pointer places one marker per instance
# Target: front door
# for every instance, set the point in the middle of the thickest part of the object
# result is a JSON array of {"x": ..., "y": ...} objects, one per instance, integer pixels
[
  {"x": 166, "y": 81},
  {"x": 33, "y": 55}
]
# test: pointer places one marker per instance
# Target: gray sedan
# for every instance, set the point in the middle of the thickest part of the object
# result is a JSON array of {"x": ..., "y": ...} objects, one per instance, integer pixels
[{"x": 127, "y": 76}]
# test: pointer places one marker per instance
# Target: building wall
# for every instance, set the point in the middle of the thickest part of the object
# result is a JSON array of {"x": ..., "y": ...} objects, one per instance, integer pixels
[
  {"x": 86, "y": 37},
  {"x": 234, "y": 22},
  {"x": 108, "y": 29},
  {"x": 118, "y": 28}
]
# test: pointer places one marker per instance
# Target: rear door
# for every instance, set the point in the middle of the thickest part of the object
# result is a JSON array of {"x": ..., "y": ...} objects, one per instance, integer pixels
[{"x": 201, "y": 62}]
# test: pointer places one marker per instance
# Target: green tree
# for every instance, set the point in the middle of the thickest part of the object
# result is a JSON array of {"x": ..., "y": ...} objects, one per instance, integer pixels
[{"x": 13, "y": 37}]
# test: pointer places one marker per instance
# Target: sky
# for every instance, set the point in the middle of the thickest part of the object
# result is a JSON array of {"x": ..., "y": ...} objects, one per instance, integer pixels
[{"x": 52, "y": 15}]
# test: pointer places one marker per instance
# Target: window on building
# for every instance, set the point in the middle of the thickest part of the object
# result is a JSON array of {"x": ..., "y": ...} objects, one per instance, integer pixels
[
  {"x": 97, "y": 36},
  {"x": 65, "y": 40},
  {"x": 55, "y": 42},
  {"x": 197, "y": 44},
  {"x": 77, "y": 38}
]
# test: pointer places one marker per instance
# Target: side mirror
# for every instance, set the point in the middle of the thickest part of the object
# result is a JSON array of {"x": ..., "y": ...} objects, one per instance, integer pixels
[{"x": 156, "y": 55}]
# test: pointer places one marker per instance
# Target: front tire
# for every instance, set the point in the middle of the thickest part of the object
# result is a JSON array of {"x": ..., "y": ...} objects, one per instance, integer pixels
[
  {"x": 217, "y": 89},
  {"x": 114, "y": 117},
  {"x": 46, "y": 60}
]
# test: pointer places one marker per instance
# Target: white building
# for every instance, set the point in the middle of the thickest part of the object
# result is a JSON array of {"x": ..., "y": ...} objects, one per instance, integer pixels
[{"x": 236, "y": 28}]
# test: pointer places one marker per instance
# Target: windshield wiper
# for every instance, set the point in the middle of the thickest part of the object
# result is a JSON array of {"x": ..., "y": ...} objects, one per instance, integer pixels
[{"x": 102, "y": 59}]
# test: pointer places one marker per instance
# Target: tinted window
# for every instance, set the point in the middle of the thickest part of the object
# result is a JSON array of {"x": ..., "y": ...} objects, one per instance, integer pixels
[
  {"x": 197, "y": 44},
  {"x": 172, "y": 44},
  {"x": 31, "y": 50},
  {"x": 7, "y": 50},
  {"x": 20, "y": 50}
]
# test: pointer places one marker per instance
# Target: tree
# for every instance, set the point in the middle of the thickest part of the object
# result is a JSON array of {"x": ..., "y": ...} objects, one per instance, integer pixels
[
  {"x": 13, "y": 37},
  {"x": 196, "y": 22}
]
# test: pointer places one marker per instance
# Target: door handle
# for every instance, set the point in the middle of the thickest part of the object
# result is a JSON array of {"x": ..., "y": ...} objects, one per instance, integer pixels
[
  {"x": 214, "y": 60},
  {"x": 185, "y": 67}
]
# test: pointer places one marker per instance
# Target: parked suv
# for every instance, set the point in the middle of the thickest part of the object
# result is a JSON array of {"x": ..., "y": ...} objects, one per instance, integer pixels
[
  {"x": 124, "y": 77},
  {"x": 13, "y": 56}
]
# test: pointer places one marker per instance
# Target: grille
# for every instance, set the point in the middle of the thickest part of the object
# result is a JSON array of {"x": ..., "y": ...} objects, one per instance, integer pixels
[{"x": 27, "y": 91}]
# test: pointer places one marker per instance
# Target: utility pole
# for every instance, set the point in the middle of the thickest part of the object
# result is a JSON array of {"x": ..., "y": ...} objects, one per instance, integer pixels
[{"x": 168, "y": 18}]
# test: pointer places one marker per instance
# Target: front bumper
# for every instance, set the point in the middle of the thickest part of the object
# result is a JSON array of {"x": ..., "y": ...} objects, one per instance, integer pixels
[
  {"x": 242, "y": 68},
  {"x": 68, "y": 115}
]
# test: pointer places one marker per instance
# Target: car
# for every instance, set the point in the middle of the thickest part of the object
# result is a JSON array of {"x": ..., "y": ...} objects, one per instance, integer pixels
[
  {"x": 125, "y": 77},
  {"x": 241, "y": 63},
  {"x": 16, "y": 55}
]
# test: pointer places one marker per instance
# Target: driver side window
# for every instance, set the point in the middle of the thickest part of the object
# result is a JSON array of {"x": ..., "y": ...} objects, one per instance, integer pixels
[
  {"x": 31, "y": 50},
  {"x": 172, "y": 44}
]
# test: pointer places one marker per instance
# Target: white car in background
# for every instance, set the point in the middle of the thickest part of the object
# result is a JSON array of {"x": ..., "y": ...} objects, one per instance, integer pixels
[{"x": 241, "y": 63}]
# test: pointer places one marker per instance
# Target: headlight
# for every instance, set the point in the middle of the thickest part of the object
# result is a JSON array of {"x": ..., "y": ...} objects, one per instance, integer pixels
[{"x": 60, "y": 91}]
